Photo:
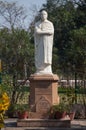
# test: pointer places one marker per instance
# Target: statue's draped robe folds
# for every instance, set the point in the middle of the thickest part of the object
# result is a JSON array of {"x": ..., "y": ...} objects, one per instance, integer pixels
[{"x": 43, "y": 35}]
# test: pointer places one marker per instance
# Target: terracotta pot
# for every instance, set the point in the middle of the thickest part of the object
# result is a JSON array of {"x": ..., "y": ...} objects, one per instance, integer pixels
[
  {"x": 59, "y": 115},
  {"x": 23, "y": 115},
  {"x": 71, "y": 115},
  {"x": 52, "y": 116}
]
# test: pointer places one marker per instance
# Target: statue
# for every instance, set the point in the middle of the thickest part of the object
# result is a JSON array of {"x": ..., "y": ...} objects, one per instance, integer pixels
[{"x": 43, "y": 38}]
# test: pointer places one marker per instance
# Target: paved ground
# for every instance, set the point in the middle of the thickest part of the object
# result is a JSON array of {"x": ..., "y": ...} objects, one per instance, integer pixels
[
  {"x": 75, "y": 125},
  {"x": 78, "y": 123}
]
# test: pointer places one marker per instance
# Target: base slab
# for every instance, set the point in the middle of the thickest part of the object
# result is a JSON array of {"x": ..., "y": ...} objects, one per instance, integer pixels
[{"x": 66, "y": 123}]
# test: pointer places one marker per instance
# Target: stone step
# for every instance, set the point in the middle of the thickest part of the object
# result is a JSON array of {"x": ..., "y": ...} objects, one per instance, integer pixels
[
  {"x": 41, "y": 128},
  {"x": 63, "y": 123}
]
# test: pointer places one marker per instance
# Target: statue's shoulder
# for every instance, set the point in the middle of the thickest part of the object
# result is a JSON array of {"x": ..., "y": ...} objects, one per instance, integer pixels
[{"x": 49, "y": 22}]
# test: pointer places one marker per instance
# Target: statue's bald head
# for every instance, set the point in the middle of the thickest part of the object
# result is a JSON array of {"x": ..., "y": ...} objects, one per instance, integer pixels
[
  {"x": 44, "y": 15},
  {"x": 44, "y": 12}
]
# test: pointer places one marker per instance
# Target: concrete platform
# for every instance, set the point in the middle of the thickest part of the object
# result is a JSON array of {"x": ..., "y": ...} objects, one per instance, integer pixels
[
  {"x": 65, "y": 123},
  {"x": 11, "y": 124},
  {"x": 42, "y": 128}
]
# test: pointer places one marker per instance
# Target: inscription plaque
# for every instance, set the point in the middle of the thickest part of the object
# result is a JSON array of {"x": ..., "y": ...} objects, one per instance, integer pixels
[{"x": 43, "y": 105}]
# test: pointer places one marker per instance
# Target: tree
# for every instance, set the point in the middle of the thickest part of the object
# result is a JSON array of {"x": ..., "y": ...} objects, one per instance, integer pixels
[
  {"x": 80, "y": 17},
  {"x": 13, "y": 15},
  {"x": 16, "y": 50},
  {"x": 77, "y": 51},
  {"x": 15, "y": 41}
]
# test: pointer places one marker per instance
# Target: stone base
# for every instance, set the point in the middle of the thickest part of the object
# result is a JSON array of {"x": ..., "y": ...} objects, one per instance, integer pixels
[
  {"x": 43, "y": 93},
  {"x": 37, "y": 115},
  {"x": 66, "y": 123}
]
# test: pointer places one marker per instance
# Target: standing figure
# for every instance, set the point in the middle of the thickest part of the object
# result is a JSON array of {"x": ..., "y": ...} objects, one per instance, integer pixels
[{"x": 43, "y": 37}]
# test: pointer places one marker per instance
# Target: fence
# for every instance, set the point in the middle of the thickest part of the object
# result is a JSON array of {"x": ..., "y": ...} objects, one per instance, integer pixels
[{"x": 76, "y": 81}]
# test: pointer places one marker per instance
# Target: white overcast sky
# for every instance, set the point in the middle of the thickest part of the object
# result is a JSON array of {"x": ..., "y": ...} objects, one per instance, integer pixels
[{"x": 29, "y": 5}]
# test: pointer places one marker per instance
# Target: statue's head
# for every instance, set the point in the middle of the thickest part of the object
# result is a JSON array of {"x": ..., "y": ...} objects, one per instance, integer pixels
[{"x": 44, "y": 15}]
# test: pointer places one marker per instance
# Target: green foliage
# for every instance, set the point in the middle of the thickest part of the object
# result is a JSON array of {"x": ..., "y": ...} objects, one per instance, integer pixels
[
  {"x": 11, "y": 110},
  {"x": 80, "y": 13},
  {"x": 66, "y": 102},
  {"x": 55, "y": 60},
  {"x": 15, "y": 92},
  {"x": 61, "y": 107},
  {"x": 16, "y": 51},
  {"x": 15, "y": 108},
  {"x": 65, "y": 89},
  {"x": 22, "y": 107},
  {"x": 77, "y": 49}
]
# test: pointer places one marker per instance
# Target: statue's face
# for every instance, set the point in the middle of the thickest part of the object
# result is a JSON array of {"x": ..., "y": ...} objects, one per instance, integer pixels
[{"x": 43, "y": 15}]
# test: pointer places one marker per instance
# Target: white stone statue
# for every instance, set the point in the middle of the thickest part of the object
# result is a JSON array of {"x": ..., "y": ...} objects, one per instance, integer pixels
[{"x": 43, "y": 37}]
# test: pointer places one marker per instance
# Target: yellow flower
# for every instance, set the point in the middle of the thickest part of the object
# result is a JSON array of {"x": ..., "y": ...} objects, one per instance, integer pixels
[
  {"x": 1, "y": 107},
  {"x": 1, "y": 124},
  {"x": 4, "y": 104},
  {"x": 5, "y": 96}
]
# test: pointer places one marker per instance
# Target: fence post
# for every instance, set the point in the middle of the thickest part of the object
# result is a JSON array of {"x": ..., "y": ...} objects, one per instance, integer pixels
[{"x": 76, "y": 89}]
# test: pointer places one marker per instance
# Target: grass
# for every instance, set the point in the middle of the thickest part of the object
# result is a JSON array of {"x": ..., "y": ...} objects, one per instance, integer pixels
[
  {"x": 81, "y": 95},
  {"x": 78, "y": 90}
]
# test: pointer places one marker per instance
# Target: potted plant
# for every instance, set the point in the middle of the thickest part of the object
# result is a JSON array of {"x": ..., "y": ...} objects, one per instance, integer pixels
[
  {"x": 11, "y": 112},
  {"x": 23, "y": 111},
  {"x": 63, "y": 109},
  {"x": 57, "y": 111},
  {"x": 60, "y": 111}
]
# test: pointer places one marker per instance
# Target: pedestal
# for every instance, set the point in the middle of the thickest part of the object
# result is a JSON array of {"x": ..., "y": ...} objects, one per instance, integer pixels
[{"x": 43, "y": 94}]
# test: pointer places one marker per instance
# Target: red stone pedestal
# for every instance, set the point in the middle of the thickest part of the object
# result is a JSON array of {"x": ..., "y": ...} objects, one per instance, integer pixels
[{"x": 43, "y": 93}]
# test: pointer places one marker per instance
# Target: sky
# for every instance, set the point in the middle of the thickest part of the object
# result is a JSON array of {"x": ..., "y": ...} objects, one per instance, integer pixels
[
  {"x": 30, "y": 7},
  {"x": 28, "y": 3}
]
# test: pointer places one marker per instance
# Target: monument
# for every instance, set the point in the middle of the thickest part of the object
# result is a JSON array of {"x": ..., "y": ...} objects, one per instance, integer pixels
[{"x": 43, "y": 83}]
